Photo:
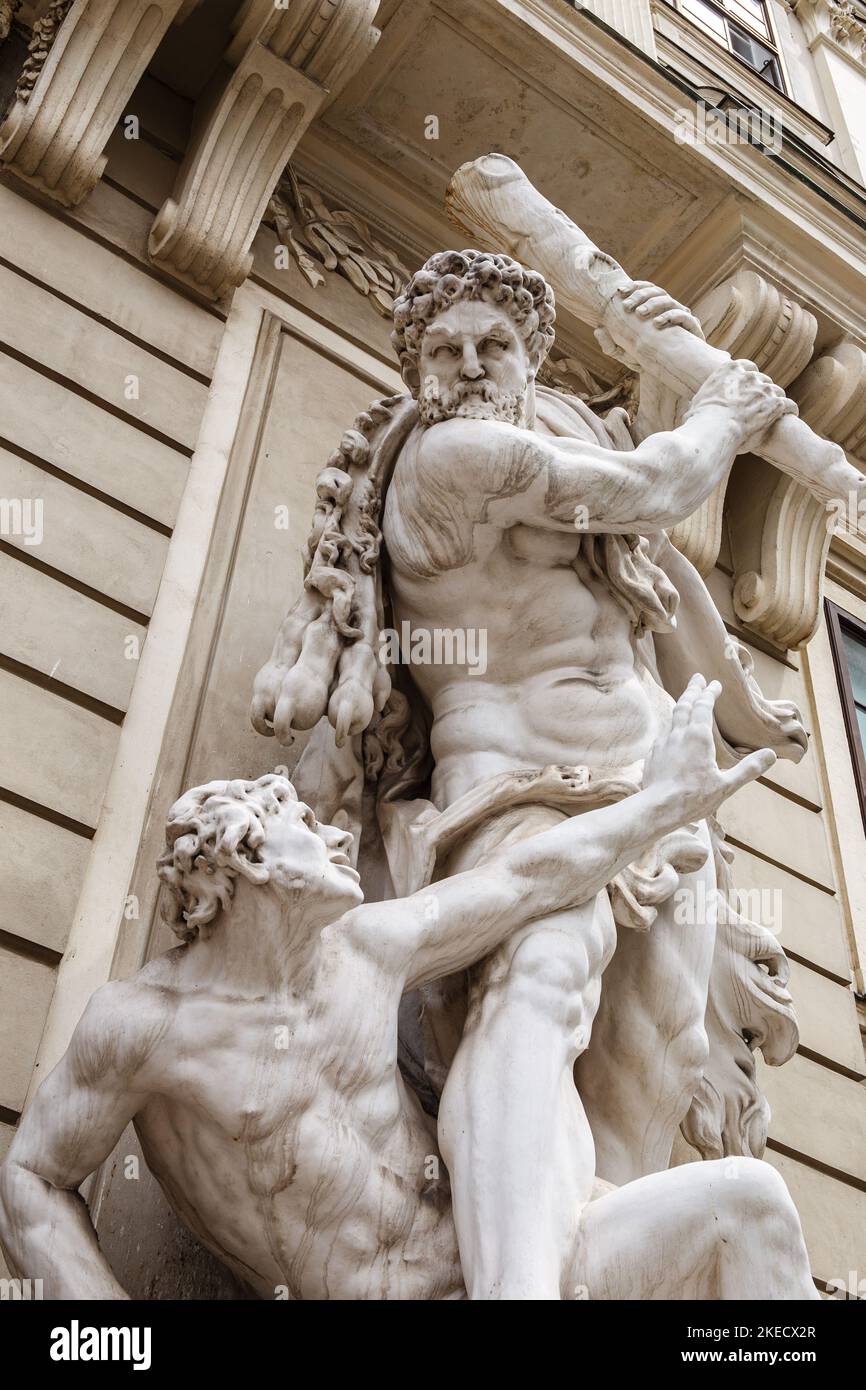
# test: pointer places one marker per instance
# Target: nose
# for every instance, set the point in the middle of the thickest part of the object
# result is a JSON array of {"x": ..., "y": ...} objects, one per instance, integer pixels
[
  {"x": 338, "y": 841},
  {"x": 470, "y": 369}
]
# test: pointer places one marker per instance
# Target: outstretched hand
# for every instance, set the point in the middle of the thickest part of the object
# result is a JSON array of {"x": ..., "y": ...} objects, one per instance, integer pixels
[{"x": 682, "y": 766}]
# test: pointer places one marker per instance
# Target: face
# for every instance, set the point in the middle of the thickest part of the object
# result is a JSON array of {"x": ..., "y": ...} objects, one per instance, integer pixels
[
  {"x": 300, "y": 854},
  {"x": 474, "y": 365}
]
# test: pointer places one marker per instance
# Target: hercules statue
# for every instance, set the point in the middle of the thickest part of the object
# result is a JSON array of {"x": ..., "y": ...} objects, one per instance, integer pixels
[{"x": 509, "y": 507}]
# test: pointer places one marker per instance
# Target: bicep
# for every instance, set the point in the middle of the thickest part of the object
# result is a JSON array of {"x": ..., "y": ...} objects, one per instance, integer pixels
[
  {"x": 79, "y": 1111},
  {"x": 461, "y": 919},
  {"x": 576, "y": 485},
  {"x": 444, "y": 927}
]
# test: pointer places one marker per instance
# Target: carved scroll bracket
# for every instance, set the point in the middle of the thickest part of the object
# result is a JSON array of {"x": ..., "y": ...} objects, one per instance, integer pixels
[
  {"x": 780, "y": 533},
  {"x": 286, "y": 65},
  {"x": 831, "y": 394},
  {"x": 85, "y": 60},
  {"x": 750, "y": 318}
]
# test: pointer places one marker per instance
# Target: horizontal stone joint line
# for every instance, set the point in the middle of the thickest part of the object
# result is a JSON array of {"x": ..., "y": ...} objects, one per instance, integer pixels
[
  {"x": 81, "y": 485},
  {"x": 799, "y": 800},
  {"x": 820, "y": 1167},
  {"x": 104, "y": 322},
  {"x": 818, "y": 969},
  {"x": 71, "y": 218},
  {"x": 69, "y": 385},
  {"x": 777, "y": 864},
  {"x": 26, "y": 558},
  {"x": 31, "y": 950},
  {"x": 831, "y": 1064},
  {"x": 47, "y": 813},
  {"x": 66, "y": 692}
]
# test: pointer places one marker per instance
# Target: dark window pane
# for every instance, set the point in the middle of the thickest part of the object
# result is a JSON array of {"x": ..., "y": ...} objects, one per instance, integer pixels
[
  {"x": 756, "y": 54},
  {"x": 855, "y": 651},
  {"x": 861, "y": 722}
]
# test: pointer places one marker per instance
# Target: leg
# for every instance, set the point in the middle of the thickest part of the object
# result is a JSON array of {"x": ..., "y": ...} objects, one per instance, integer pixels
[
  {"x": 512, "y": 1128},
  {"x": 718, "y": 1230},
  {"x": 649, "y": 1041}
]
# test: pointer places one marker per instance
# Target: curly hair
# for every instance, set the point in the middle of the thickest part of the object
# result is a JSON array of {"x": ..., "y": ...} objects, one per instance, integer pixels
[
  {"x": 450, "y": 276},
  {"x": 211, "y": 836}
]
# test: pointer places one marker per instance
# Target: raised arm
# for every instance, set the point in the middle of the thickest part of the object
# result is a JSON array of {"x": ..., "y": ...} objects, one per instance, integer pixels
[
  {"x": 514, "y": 476},
  {"x": 455, "y": 922},
  {"x": 76, "y": 1118}
]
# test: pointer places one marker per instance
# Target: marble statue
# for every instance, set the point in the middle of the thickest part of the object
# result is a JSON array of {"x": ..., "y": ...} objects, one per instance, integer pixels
[
  {"x": 258, "y": 1062},
  {"x": 506, "y": 507},
  {"x": 523, "y": 999}
]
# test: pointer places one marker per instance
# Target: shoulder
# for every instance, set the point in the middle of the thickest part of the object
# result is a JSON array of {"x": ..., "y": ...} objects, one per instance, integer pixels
[
  {"x": 121, "y": 1026},
  {"x": 459, "y": 438},
  {"x": 379, "y": 933}
]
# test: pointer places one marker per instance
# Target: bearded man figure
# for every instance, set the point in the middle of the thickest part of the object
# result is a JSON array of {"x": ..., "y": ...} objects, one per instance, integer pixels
[{"x": 512, "y": 508}]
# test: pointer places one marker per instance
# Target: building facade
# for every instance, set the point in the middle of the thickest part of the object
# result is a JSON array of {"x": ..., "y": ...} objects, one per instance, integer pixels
[{"x": 206, "y": 214}]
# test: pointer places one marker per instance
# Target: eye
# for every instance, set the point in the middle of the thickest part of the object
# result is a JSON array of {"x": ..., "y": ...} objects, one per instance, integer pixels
[
  {"x": 493, "y": 345},
  {"x": 445, "y": 349}
]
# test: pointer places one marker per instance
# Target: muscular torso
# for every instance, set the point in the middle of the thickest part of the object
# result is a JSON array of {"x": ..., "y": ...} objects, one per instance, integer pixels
[
  {"x": 282, "y": 1134},
  {"x": 562, "y": 684}
]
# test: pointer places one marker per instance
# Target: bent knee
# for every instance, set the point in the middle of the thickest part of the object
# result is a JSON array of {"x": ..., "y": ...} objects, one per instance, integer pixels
[{"x": 754, "y": 1198}]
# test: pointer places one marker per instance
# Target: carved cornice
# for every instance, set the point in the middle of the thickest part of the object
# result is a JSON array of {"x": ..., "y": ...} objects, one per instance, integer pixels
[
  {"x": 85, "y": 60},
  {"x": 834, "y": 20},
  {"x": 286, "y": 65},
  {"x": 750, "y": 318}
]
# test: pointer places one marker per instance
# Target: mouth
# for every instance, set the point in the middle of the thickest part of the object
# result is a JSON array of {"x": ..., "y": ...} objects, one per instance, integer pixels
[{"x": 344, "y": 862}]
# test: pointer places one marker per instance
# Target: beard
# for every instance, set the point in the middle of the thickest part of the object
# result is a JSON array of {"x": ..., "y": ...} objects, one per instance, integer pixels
[{"x": 470, "y": 400}]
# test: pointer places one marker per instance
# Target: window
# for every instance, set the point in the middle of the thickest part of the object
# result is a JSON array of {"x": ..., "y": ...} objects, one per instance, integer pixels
[
  {"x": 848, "y": 641},
  {"x": 743, "y": 27}
]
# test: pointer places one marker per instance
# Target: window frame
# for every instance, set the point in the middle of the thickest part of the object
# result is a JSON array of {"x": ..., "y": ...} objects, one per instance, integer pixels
[
  {"x": 770, "y": 40},
  {"x": 838, "y": 620}
]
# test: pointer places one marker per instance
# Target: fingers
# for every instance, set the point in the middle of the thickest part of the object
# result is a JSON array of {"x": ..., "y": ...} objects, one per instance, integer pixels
[
  {"x": 702, "y": 709},
  {"x": 649, "y": 299},
  {"x": 694, "y": 708},
  {"x": 750, "y": 767},
  {"x": 679, "y": 318},
  {"x": 638, "y": 292},
  {"x": 683, "y": 709}
]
